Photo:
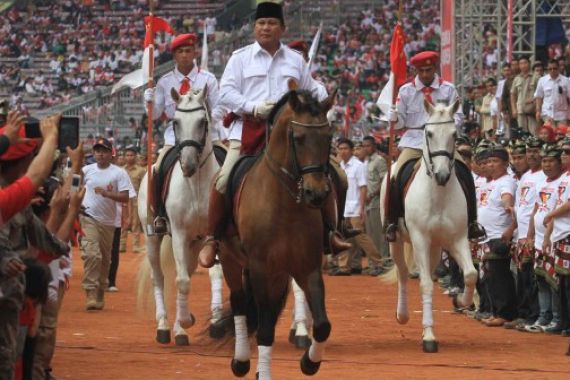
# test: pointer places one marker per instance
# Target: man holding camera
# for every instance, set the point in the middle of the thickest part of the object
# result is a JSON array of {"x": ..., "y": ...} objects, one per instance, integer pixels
[{"x": 106, "y": 185}]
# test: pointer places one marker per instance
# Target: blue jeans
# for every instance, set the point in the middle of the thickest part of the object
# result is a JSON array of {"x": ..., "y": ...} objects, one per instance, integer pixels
[{"x": 548, "y": 302}]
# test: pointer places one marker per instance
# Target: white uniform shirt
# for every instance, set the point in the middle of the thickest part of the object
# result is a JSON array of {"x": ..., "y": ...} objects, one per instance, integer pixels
[
  {"x": 547, "y": 196},
  {"x": 163, "y": 102},
  {"x": 555, "y": 96},
  {"x": 356, "y": 176},
  {"x": 411, "y": 111},
  {"x": 525, "y": 200},
  {"x": 252, "y": 76},
  {"x": 113, "y": 179},
  {"x": 491, "y": 212},
  {"x": 561, "y": 227}
]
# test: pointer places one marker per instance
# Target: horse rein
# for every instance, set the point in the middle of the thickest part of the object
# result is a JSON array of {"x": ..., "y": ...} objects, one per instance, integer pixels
[
  {"x": 298, "y": 171},
  {"x": 193, "y": 143},
  {"x": 437, "y": 153}
]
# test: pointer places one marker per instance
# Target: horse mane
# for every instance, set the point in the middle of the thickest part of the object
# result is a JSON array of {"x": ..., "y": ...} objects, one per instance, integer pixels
[{"x": 309, "y": 104}]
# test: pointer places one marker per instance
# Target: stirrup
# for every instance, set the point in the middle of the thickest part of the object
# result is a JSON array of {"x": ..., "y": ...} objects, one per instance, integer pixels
[
  {"x": 390, "y": 232},
  {"x": 476, "y": 232},
  {"x": 160, "y": 225}
]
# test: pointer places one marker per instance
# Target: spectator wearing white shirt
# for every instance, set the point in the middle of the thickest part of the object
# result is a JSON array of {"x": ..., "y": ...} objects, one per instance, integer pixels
[
  {"x": 553, "y": 96},
  {"x": 106, "y": 185}
]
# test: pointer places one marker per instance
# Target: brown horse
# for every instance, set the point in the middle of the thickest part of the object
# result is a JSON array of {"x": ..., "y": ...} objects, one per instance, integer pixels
[{"x": 280, "y": 229}]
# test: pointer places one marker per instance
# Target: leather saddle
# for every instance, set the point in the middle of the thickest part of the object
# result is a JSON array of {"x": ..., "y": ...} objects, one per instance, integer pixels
[
  {"x": 403, "y": 181},
  {"x": 236, "y": 180}
]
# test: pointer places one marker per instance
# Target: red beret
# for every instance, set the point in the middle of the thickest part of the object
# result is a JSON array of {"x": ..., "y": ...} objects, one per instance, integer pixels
[
  {"x": 183, "y": 40},
  {"x": 425, "y": 58},
  {"x": 299, "y": 46},
  {"x": 20, "y": 150}
]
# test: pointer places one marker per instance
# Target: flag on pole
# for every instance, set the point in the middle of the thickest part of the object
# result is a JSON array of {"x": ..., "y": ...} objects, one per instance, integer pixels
[
  {"x": 139, "y": 77},
  {"x": 398, "y": 69},
  {"x": 315, "y": 45},
  {"x": 204, "y": 59}
]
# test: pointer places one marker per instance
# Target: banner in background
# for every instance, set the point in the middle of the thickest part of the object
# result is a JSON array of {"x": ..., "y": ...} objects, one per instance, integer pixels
[{"x": 447, "y": 40}]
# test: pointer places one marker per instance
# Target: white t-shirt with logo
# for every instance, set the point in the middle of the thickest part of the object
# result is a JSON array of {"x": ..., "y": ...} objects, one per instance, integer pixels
[
  {"x": 525, "y": 200},
  {"x": 547, "y": 196},
  {"x": 113, "y": 179},
  {"x": 491, "y": 212},
  {"x": 561, "y": 227}
]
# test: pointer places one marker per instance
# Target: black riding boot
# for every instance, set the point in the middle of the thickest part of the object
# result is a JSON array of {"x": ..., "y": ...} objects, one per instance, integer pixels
[
  {"x": 160, "y": 223},
  {"x": 393, "y": 212},
  {"x": 475, "y": 231}
]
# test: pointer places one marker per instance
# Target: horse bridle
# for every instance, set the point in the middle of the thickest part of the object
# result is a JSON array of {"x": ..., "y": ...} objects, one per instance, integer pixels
[
  {"x": 298, "y": 170},
  {"x": 193, "y": 143},
  {"x": 431, "y": 155}
]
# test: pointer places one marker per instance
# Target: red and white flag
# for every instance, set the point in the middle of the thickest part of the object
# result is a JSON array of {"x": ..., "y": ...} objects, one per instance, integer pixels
[
  {"x": 139, "y": 77},
  {"x": 398, "y": 69}
]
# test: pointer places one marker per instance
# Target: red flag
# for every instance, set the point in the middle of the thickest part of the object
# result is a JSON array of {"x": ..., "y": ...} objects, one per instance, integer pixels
[
  {"x": 158, "y": 25},
  {"x": 397, "y": 56},
  {"x": 347, "y": 120}
]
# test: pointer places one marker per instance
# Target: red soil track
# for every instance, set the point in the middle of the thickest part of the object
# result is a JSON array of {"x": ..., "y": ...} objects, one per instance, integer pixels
[{"x": 366, "y": 342}]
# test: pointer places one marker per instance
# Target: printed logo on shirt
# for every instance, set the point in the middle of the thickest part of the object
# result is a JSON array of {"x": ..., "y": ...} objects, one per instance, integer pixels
[
  {"x": 522, "y": 199},
  {"x": 484, "y": 198},
  {"x": 561, "y": 191},
  {"x": 544, "y": 197},
  {"x": 110, "y": 187}
]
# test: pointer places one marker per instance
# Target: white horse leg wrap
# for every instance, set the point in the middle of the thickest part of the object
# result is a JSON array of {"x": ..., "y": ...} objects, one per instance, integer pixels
[
  {"x": 182, "y": 306},
  {"x": 402, "y": 299},
  {"x": 316, "y": 351},
  {"x": 300, "y": 311},
  {"x": 216, "y": 284},
  {"x": 264, "y": 362},
  {"x": 159, "y": 302},
  {"x": 241, "y": 351},
  {"x": 427, "y": 310}
]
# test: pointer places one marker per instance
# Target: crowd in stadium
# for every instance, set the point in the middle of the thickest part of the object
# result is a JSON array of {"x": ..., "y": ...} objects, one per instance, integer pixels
[{"x": 515, "y": 144}]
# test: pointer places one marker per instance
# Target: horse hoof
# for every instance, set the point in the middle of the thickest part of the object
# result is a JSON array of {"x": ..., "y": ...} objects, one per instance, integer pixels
[
  {"x": 217, "y": 330},
  {"x": 240, "y": 369},
  {"x": 292, "y": 333},
  {"x": 455, "y": 301},
  {"x": 187, "y": 323},
  {"x": 402, "y": 319},
  {"x": 429, "y": 346},
  {"x": 181, "y": 340},
  {"x": 302, "y": 341},
  {"x": 163, "y": 336},
  {"x": 309, "y": 367}
]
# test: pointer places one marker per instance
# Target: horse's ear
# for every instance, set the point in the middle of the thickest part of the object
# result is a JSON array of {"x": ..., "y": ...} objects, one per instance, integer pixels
[
  {"x": 294, "y": 101},
  {"x": 292, "y": 84},
  {"x": 329, "y": 101},
  {"x": 455, "y": 106},
  {"x": 175, "y": 95},
  {"x": 204, "y": 92},
  {"x": 429, "y": 107}
]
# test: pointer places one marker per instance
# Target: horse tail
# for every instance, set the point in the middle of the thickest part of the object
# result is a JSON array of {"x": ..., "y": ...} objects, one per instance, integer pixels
[
  {"x": 391, "y": 277},
  {"x": 145, "y": 288}
]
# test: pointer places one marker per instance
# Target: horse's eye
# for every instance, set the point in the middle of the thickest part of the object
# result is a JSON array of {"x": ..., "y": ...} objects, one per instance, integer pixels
[
  {"x": 175, "y": 124},
  {"x": 454, "y": 135},
  {"x": 429, "y": 134}
]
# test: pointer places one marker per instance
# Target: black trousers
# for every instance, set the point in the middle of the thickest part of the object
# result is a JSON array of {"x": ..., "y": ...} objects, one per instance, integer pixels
[
  {"x": 501, "y": 288},
  {"x": 481, "y": 286},
  {"x": 565, "y": 301},
  {"x": 456, "y": 274},
  {"x": 115, "y": 257},
  {"x": 527, "y": 293}
]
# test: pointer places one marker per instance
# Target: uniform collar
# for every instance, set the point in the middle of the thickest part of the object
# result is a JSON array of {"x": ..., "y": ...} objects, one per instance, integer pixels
[
  {"x": 192, "y": 75},
  {"x": 435, "y": 84},
  {"x": 257, "y": 48},
  {"x": 350, "y": 161}
]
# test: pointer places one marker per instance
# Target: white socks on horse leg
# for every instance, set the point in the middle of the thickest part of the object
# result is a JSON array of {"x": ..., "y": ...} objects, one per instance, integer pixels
[
  {"x": 216, "y": 285},
  {"x": 182, "y": 313},
  {"x": 427, "y": 319},
  {"x": 159, "y": 302},
  {"x": 264, "y": 362},
  {"x": 316, "y": 351},
  {"x": 241, "y": 352},
  {"x": 301, "y": 313}
]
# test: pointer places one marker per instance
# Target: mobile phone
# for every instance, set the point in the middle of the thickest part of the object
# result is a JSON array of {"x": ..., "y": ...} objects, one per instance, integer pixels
[
  {"x": 75, "y": 183},
  {"x": 32, "y": 128},
  {"x": 68, "y": 133}
]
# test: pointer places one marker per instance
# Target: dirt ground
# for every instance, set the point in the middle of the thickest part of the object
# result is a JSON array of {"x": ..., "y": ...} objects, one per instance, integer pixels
[{"x": 366, "y": 342}]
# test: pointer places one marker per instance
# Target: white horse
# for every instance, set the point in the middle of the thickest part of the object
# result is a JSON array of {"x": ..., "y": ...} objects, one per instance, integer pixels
[
  {"x": 187, "y": 209},
  {"x": 435, "y": 219}
]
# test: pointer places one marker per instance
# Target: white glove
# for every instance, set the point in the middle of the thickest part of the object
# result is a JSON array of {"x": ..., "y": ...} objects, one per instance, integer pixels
[
  {"x": 331, "y": 117},
  {"x": 263, "y": 109},
  {"x": 149, "y": 95},
  {"x": 393, "y": 114}
]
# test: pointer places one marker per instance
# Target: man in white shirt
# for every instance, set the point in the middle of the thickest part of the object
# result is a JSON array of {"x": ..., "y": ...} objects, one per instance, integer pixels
[
  {"x": 552, "y": 96},
  {"x": 106, "y": 185},
  {"x": 255, "y": 78},
  {"x": 410, "y": 114},
  {"x": 183, "y": 78}
]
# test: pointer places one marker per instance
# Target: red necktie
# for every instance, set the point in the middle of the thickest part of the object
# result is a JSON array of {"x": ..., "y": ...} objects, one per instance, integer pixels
[
  {"x": 185, "y": 86},
  {"x": 427, "y": 94}
]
